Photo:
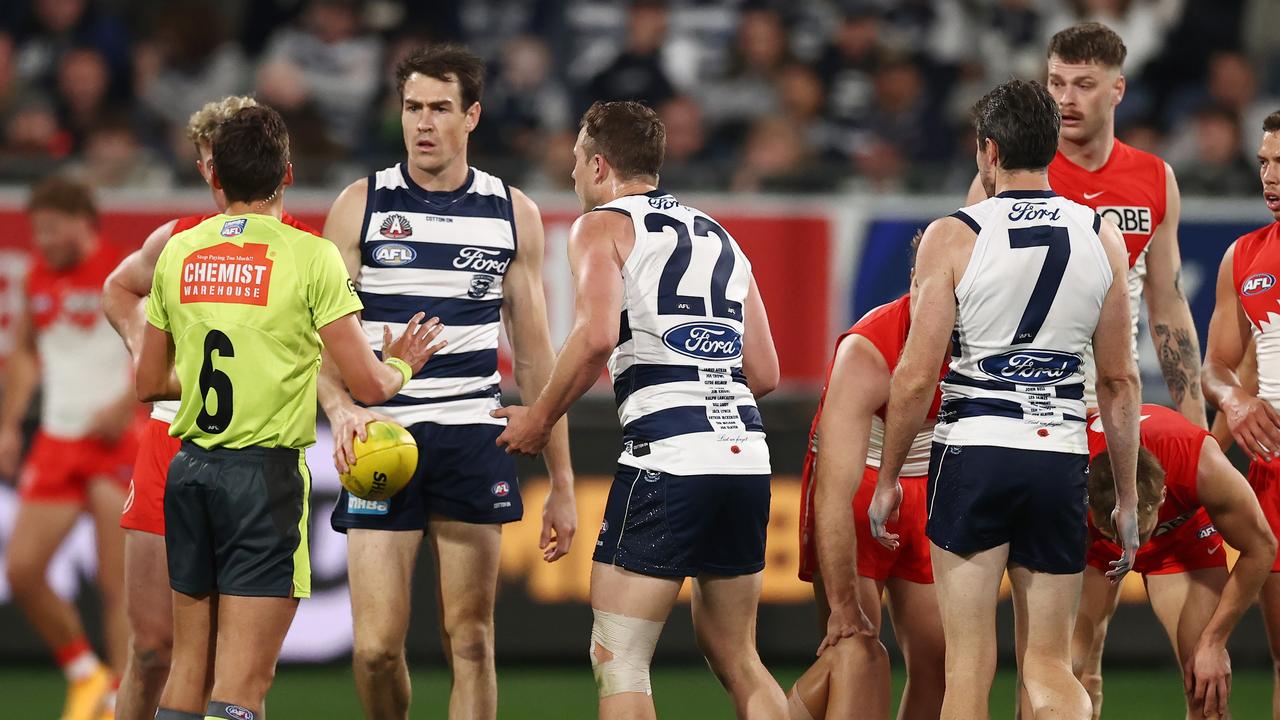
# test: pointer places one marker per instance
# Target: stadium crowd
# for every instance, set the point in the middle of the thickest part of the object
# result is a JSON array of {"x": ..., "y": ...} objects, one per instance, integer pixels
[{"x": 819, "y": 95}]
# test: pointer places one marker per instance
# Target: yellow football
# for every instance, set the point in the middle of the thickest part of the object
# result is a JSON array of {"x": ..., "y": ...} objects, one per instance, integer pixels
[{"x": 385, "y": 462}]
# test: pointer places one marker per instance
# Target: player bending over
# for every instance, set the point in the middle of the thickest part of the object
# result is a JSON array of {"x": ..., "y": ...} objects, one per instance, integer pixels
[
  {"x": 666, "y": 299},
  {"x": 146, "y": 578},
  {"x": 855, "y": 569},
  {"x": 240, "y": 304},
  {"x": 1024, "y": 280},
  {"x": 80, "y": 457},
  {"x": 434, "y": 233},
  {"x": 1245, "y": 309},
  {"x": 1190, "y": 499},
  {"x": 1135, "y": 190}
]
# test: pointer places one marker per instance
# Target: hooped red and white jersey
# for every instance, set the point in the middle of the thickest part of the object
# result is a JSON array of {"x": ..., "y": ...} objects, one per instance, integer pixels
[
  {"x": 1255, "y": 267},
  {"x": 84, "y": 366}
]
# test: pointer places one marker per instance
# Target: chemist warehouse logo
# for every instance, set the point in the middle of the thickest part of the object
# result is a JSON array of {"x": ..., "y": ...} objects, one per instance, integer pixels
[{"x": 227, "y": 273}]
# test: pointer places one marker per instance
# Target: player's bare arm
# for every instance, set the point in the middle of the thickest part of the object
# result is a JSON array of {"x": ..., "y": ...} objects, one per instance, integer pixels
[
  {"x": 1234, "y": 509},
  {"x": 1119, "y": 397},
  {"x": 759, "y": 356},
  {"x": 859, "y": 385},
  {"x": 153, "y": 377},
  {"x": 373, "y": 381},
  {"x": 1254, "y": 424},
  {"x": 944, "y": 253},
  {"x": 125, "y": 292},
  {"x": 1172, "y": 328},
  {"x": 597, "y": 282},
  {"x": 21, "y": 377},
  {"x": 524, "y": 317}
]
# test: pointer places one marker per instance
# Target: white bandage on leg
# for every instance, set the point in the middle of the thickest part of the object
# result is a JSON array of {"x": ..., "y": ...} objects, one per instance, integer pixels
[{"x": 629, "y": 644}]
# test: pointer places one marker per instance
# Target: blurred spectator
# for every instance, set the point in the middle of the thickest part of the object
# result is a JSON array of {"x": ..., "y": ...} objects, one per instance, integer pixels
[
  {"x": 775, "y": 159},
  {"x": 189, "y": 62},
  {"x": 847, "y": 65},
  {"x": 83, "y": 81},
  {"x": 690, "y": 162},
  {"x": 45, "y": 30},
  {"x": 636, "y": 73},
  {"x": 113, "y": 158},
  {"x": 749, "y": 89},
  {"x": 905, "y": 120},
  {"x": 1143, "y": 135},
  {"x": 1233, "y": 85},
  {"x": 936, "y": 29},
  {"x": 803, "y": 101},
  {"x": 523, "y": 102},
  {"x": 1015, "y": 43},
  {"x": 1218, "y": 167},
  {"x": 553, "y": 171},
  {"x": 328, "y": 66}
]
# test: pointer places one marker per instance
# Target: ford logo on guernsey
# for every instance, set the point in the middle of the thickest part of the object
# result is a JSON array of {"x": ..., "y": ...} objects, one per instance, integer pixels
[
  {"x": 1258, "y": 283},
  {"x": 1031, "y": 367},
  {"x": 704, "y": 341},
  {"x": 394, "y": 254}
]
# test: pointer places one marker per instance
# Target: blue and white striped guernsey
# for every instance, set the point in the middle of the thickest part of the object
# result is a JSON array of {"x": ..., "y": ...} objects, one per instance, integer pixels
[{"x": 444, "y": 253}]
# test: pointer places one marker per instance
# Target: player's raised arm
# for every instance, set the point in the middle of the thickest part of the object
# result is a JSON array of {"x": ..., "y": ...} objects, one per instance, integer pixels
[
  {"x": 1119, "y": 396},
  {"x": 1233, "y": 507},
  {"x": 524, "y": 315},
  {"x": 1253, "y": 422},
  {"x": 597, "y": 281},
  {"x": 943, "y": 254},
  {"x": 125, "y": 292},
  {"x": 859, "y": 385},
  {"x": 759, "y": 356},
  {"x": 21, "y": 377},
  {"x": 1172, "y": 328}
]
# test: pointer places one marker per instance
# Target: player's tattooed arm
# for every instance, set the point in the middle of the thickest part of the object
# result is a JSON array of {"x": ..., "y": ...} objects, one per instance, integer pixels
[{"x": 1172, "y": 328}]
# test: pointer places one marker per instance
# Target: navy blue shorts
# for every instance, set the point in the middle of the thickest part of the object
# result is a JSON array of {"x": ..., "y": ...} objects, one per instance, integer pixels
[
  {"x": 461, "y": 475},
  {"x": 981, "y": 497},
  {"x": 684, "y": 525}
]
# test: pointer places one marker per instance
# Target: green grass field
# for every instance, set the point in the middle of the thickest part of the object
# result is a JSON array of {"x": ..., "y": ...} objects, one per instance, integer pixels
[{"x": 561, "y": 693}]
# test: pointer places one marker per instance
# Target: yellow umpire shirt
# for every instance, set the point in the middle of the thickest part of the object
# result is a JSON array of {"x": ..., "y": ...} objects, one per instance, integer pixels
[{"x": 244, "y": 297}]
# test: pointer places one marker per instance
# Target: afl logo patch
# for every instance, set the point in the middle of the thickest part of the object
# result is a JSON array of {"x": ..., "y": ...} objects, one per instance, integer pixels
[
  {"x": 394, "y": 254},
  {"x": 232, "y": 228},
  {"x": 395, "y": 226},
  {"x": 1257, "y": 283},
  {"x": 501, "y": 488}
]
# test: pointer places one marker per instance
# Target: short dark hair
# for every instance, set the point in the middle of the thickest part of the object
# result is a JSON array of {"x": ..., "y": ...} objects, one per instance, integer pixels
[
  {"x": 65, "y": 195},
  {"x": 1272, "y": 122},
  {"x": 251, "y": 153},
  {"x": 448, "y": 62},
  {"x": 1023, "y": 120},
  {"x": 1088, "y": 42},
  {"x": 1102, "y": 489},
  {"x": 628, "y": 134}
]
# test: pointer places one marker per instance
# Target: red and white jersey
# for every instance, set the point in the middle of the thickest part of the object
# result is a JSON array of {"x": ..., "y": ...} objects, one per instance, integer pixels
[
  {"x": 886, "y": 328},
  {"x": 84, "y": 366},
  {"x": 1176, "y": 443},
  {"x": 167, "y": 410},
  {"x": 1130, "y": 191},
  {"x": 1255, "y": 267}
]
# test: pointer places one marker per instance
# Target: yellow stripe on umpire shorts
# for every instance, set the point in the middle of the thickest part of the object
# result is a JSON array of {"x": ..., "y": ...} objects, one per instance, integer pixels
[{"x": 302, "y": 554}]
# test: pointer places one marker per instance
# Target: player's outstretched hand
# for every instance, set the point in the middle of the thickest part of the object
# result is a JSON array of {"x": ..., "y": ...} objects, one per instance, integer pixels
[
  {"x": 414, "y": 346},
  {"x": 846, "y": 620},
  {"x": 1126, "y": 525},
  {"x": 1256, "y": 427},
  {"x": 526, "y": 434},
  {"x": 1207, "y": 679},
  {"x": 10, "y": 451},
  {"x": 884, "y": 510},
  {"x": 559, "y": 523},
  {"x": 348, "y": 423}
]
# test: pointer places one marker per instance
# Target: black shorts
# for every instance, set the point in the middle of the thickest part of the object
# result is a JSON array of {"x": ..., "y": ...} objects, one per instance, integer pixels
[
  {"x": 236, "y": 522},
  {"x": 981, "y": 497},
  {"x": 462, "y": 475},
  {"x": 684, "y": 525}
]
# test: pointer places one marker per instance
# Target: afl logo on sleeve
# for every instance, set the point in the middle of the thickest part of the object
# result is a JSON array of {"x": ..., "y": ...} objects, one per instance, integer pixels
[
  {"x": 1257, "y": 283},
  {"x": 1131, "y": 220},
  {"x": 227, "y": 273},
  {"x": 1031, "y": 367},
  {"x": 704, "y": 340},
  {"x": 394, "y": 254}
]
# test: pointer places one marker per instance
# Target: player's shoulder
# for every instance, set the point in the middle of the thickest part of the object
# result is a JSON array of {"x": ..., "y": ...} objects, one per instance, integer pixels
[
  {"x": 1258, "y": 235},
  {"x": 297, "y": 224},
  {"x": 892, "y": 311}
]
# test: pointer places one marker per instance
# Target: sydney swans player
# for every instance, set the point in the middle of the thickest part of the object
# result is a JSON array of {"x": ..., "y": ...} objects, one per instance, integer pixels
[
  {"x": 1247, "y": 308},
  {"x": 1135, "y": 190},
  {"x": 434, "y": 234},
  {"x": 1018, "y": 284},
  {"x": 666, "y": 298},
  {"x": 1190, "y": 499}
]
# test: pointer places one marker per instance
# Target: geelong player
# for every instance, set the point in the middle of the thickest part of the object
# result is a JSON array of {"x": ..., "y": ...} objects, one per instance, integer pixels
[
  {"x": 855, "y": 569},
  {"x": 666, "y": 298},
  {"x": 240, "y": 304},
  {"x": 80, "y": 459},
  {"x": 147, "y": 598},
  {"x": 1246, "y": 305},
  {"x": 1024, "y": 280},
  {"x": 434, "y": 233},
  {"x": 1135, "y": 190},
  {"x": 1188, "y": 493}
]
